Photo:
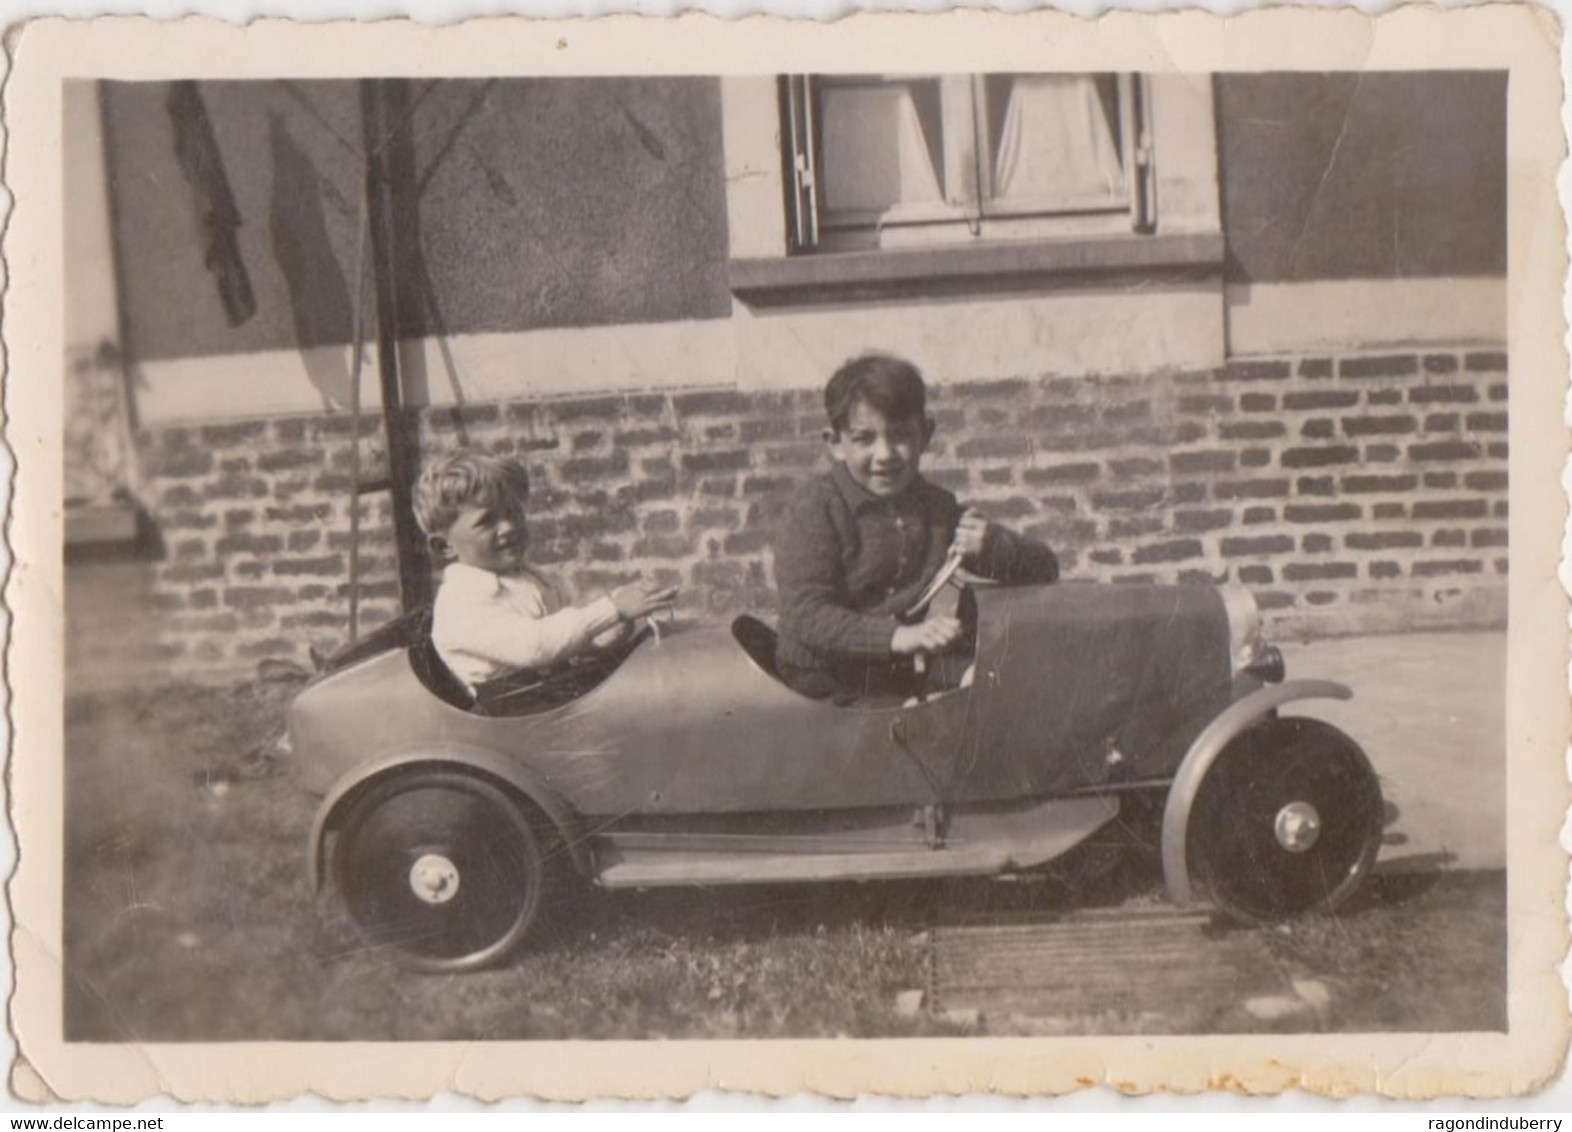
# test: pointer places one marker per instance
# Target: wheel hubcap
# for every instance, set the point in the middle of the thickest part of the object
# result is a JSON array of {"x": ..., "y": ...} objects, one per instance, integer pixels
[
  {"x": 1297, "y": 827},
  {"x": 434, "y": 879}
]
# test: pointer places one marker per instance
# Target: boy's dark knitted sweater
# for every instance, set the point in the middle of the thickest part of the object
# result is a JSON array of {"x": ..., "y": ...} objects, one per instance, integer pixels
[{"x": 848, "y": 562}]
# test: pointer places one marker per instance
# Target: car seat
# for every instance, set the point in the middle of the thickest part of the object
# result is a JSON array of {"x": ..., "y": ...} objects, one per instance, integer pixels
[
  {"x": 758, "y": 641},
  {"x": 398, "y": 633},
  {"x": 430, "y": 669},
  {"x": 410, "y": 632}
]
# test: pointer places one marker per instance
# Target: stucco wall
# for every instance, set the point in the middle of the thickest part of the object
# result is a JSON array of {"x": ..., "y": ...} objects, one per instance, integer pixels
[
  {"x": 523, "y": 204},
  {"x": 1363, "y": 175}
]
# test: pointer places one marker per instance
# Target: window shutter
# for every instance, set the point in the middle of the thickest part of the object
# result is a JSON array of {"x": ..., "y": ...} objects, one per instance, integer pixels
[
  {"x": 802, "y": 186},
  {"x": 1136, "y": 130}
]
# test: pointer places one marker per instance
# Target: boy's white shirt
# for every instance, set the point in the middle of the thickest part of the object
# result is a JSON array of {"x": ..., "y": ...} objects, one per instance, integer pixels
[{"x": 486, "y": 625}]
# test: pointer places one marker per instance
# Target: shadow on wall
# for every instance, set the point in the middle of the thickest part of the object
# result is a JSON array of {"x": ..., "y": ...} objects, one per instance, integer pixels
[
  {"x": 419, "y": 307},
  {"x": 321, "y": 296},
  {"x": 320, "y": 300}
]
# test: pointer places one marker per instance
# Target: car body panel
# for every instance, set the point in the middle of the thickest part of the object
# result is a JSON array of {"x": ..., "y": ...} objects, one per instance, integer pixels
[
  {"x": 690, "y": 724},
  {"x": 684, "y": 760},
  {"x": 1076, "y": 689},
  {"x": 1077, "y": 685},
  {"x": 977, "y": 842}
]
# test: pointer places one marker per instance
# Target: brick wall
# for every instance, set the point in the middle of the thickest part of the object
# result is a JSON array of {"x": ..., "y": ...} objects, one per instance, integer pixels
[{"x": 1357, "y": 493}]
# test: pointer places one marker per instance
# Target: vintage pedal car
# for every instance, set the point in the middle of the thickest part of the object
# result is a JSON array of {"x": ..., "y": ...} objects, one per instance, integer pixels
[{"x": 681, "y": 759}]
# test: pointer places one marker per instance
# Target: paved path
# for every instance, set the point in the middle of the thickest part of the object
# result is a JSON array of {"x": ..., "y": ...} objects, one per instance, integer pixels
[{"x": 1430, "y": 711}]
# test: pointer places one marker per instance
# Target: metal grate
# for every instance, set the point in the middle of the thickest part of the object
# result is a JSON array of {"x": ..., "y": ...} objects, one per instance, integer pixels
[{"x": 1148, "y": 971}]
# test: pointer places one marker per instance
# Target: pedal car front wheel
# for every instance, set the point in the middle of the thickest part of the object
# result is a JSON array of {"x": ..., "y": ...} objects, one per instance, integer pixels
[
  {"x": 1288, "y": 820},
  {"x": 442, "y": 868}
]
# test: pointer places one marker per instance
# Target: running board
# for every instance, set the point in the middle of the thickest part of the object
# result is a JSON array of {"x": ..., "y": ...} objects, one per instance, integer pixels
[{"x": 976, "y": 844}]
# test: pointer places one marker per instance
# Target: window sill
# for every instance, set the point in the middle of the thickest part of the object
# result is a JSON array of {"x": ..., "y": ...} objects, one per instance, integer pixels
[{"x": 950, "y": 269}]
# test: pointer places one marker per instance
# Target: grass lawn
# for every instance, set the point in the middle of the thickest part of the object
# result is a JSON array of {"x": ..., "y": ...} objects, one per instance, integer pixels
[{"x": 188, "y": 916}]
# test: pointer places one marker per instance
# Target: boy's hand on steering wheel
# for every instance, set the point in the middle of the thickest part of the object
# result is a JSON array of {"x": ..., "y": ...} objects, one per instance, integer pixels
[
  {"x": 933, "y": 635},
  {"x": 638, "y": 599},
  {"x": 971, "y": 533}
]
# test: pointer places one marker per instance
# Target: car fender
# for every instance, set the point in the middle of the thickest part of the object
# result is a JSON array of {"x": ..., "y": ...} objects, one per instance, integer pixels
[
  {"x": 486, "y": 762},
  {"x": 1204, "y": 752}
]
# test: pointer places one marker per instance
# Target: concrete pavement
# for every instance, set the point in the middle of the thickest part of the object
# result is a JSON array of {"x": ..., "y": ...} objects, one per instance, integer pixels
[{"x": 1430, "y": 711}]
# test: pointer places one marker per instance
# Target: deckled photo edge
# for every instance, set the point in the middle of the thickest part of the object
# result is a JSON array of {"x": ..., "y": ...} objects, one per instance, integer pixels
[{"x": 1401, "y": 1065}]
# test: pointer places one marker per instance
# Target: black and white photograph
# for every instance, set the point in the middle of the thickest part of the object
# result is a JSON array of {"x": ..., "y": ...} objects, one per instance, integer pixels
[{"x": 875, "y": 545}]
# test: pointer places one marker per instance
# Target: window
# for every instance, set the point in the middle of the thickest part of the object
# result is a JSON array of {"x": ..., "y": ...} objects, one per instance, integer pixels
[{"x": 887, "y": 161}]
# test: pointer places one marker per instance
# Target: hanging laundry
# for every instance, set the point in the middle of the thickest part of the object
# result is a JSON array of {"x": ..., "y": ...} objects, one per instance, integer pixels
[{"x": 196, "y": 151}]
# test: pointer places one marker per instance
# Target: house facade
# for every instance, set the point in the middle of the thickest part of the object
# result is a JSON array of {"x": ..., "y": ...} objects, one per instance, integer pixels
[{"x": 1247, "y": 328}]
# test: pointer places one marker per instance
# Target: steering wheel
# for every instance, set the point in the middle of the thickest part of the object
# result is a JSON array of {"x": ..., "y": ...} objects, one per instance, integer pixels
[
  {"x": 520, "y": 692},
  {"x": 947, "y": 572},
  {"x": 950, "y": 573}
]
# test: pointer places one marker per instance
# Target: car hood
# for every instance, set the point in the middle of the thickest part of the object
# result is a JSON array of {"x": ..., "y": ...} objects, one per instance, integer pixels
[{"x": 1078, "y": 684}]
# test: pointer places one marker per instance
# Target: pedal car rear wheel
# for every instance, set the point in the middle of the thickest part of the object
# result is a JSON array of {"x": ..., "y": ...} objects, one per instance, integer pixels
[
  {"x": 1288, "y": 820},
  {"x": 444, "y": 869}
]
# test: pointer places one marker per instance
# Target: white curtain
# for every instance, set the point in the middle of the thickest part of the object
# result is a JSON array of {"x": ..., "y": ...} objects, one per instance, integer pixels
[
  {"x": 1057, "y": 142},
  {"x": 875, "y": 153}
]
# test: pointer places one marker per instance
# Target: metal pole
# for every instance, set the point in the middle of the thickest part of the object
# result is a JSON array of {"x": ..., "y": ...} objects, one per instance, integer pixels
[
  {"x": 357, "y": 363},
  {"x": 413, "y": 570}
]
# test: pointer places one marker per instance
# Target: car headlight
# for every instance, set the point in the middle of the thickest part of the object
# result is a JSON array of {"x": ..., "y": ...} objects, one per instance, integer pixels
[{"x": 1247, "y": 647}]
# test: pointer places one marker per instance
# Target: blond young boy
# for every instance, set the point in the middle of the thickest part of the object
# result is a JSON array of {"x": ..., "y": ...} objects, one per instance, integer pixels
[{"x": 495, "y": 614}]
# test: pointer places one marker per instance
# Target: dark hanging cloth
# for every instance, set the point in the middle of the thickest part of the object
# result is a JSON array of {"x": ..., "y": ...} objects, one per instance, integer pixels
[{"x": 196, "y": 151}]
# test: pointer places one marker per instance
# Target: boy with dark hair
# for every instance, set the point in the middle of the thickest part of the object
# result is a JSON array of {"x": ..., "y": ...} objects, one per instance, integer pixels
[{"x": 860, "y": 543}]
